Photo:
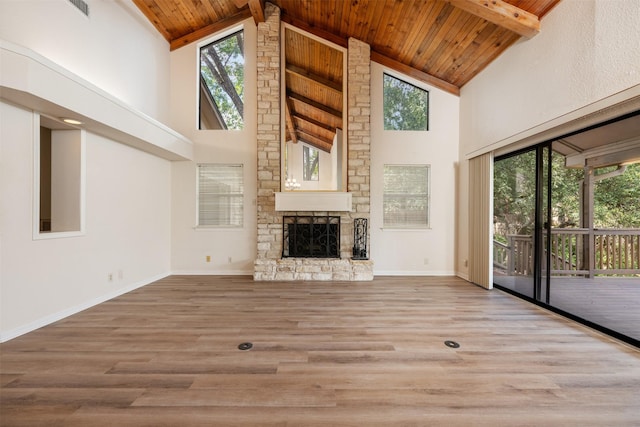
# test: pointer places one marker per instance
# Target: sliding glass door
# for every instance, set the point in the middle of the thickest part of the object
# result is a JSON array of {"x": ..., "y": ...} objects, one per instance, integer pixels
[
  {"x": 520, "y": 209},
  {"x": 567, "y": 226}
]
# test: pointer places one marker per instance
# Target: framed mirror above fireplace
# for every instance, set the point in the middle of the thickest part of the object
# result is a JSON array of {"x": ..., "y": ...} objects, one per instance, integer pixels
[{"x": 314, "y": 147}]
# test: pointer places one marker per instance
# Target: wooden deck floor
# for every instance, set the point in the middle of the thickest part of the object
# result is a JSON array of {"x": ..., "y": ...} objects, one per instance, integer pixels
[{"x": 325, "y": 353}]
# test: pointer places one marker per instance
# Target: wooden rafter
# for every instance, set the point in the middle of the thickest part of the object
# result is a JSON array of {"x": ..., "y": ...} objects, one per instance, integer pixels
[
  {"x": 290, "y": 125},
  {"x": 502, "y": 14},
  {"x": 240, "y": 3},
  {"x": 257, "y": 10},
  {"x": 316, "y": 141},
  {"x": 210, "y": 29},
  {"x": 314, "y": 78},
  {"x": 415, "y": 73},
  {"x": 327, "y": 35},
  {"x": 315, "y": 105},
  {"x": 314, "y": 122}
]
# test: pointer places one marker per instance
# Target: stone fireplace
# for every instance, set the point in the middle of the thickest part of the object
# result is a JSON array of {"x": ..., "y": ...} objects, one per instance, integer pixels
[{"x": 270, "y": 263}]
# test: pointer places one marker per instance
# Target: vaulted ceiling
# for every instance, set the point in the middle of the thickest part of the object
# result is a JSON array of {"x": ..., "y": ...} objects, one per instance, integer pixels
[{"x": 443, "y": 43}]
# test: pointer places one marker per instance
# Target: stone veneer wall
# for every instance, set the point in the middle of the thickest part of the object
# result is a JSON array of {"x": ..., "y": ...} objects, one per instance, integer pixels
[
  {"x": 358, "y": 131},
  {"x": 268, "y": 139},
  {"x": 269, "y": 264}
]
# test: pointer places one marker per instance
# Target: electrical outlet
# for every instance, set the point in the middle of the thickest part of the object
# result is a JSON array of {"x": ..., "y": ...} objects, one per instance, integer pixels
[
  {"x": 426, "y": 261},
  {"x": 230, "y": 260},
  {"x": 208, "y": 258},
  {"x": 110, "y": 277},
  {"x": 466, "y": 263}
]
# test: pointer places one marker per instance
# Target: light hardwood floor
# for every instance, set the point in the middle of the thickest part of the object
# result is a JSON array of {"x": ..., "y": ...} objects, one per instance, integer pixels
[{"x": 324, "y": 353}]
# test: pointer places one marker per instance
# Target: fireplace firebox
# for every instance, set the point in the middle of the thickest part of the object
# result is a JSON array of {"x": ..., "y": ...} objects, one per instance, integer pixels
[{"x": 311, "y": 236}]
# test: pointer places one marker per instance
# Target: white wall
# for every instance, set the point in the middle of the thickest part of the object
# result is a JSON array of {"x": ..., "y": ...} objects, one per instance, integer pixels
[
  {"x": 128, "y": 206},
  {"x": 116, "y": 48},
  {"x": 587, "y": 50},
  {"x": 586, "y": 57},
  {"x": 191, "y": 246},
  {"x": 128, "y": 192},
  {"x": 417, "y": 252}
]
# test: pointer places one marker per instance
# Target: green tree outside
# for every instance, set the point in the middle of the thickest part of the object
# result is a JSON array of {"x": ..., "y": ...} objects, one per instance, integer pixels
[
  {"x": 222, "y": 68},
  {"x": 405, "y": 105},
  {"x": 616, "y": 199}
]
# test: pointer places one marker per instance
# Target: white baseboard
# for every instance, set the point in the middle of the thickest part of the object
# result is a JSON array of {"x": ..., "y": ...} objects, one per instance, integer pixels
[
  {"x": 212, "y": 273},
  {"x": 412, "y": 273},
  {"x": 47, "y": 320}
]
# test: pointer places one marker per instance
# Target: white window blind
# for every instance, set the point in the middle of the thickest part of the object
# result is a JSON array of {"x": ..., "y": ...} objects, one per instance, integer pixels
[
  {"x": 220, "y": 195},
  {"x": 406, "y": 196}
]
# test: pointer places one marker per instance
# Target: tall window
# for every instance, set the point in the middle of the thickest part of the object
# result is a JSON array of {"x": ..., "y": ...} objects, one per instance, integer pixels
[
  {"x": 220, "y": 195},
  {"x": 222, "y": 83},
  {"x": 310, "y": 160},
  {"x": 406, "y": 196},
  {"x": 406, "y": 107}
]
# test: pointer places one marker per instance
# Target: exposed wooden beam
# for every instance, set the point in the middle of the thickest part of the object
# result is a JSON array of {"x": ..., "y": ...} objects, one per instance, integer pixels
[
  {"x": 240, "y": 3},
  {"x": 314, "y": 78},
  {"x": 332, "y": 37},
  {"x": 314, "y": 104},
  {"x": 290, "y": 125},
  {"x": 502, "y": 14},
  {"x": 257, "y": 10},
  {"x": 415, "y": 73},
  {"x": 210, "y": 29},
  {"x": 316, "y": 141},
  {"x": 315, "y": 122}
]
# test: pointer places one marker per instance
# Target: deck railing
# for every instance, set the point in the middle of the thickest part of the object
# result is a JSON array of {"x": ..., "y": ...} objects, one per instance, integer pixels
[{"x": 615, "y": 252}]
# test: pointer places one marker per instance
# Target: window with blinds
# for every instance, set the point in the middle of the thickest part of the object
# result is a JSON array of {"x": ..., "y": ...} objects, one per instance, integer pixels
[
  {"x": 406, "y": 196},
  {"x": 220, "y": 195}
]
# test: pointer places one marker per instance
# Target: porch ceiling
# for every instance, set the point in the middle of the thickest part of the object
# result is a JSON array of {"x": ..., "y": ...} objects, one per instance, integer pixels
[{"x": 614, "y": 143}]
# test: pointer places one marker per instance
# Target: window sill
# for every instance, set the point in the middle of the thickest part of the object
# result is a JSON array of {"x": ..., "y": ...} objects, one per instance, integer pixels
[
  {"x": 47, "y": 235},
  {"x": 406, "y": 229},
  {"x": 217, "y": 228}
]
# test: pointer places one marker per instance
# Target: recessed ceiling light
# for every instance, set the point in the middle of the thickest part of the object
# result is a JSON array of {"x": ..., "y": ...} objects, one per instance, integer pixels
[{"x": 72, "y": 121}]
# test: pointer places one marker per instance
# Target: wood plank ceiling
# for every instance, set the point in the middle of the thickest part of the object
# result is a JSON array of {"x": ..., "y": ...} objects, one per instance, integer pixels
[{"x": 444, "y": 43}]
